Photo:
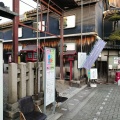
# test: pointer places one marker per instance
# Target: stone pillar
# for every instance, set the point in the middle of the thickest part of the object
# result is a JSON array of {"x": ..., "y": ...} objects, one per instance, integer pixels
[
  {"x": 30, "y": 82},
  {"x": 12, "y": 82},
  {"x": 22, "y": 84},
  {"x": 76, "y": 72}
]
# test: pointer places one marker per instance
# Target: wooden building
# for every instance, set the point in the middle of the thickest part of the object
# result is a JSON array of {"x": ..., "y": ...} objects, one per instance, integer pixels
[{"x": 92, "y": 19}]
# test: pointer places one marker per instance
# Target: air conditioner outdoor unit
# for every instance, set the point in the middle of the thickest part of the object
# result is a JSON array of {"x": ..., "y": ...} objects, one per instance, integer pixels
[{"x": 39, "y": 26}]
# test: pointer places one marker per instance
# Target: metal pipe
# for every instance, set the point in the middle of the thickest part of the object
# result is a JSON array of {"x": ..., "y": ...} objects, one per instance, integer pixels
[
  {"x": 15, "y": 31},
  {"x": 61, "y": 47},
  {"x": 39, "y": 30},
  {"x": 58, "y": 6},
  {"x": 52, "y": 8},
  {"x": 81, "y": 22},
  {"x": 36, "y": 80}
]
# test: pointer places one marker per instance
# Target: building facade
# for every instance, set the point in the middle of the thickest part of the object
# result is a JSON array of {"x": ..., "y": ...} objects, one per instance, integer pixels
[{"x": 91, "y": 21}]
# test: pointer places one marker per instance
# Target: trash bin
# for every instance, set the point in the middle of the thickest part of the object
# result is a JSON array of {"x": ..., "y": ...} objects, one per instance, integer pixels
[{"x": 117, "y": 76}]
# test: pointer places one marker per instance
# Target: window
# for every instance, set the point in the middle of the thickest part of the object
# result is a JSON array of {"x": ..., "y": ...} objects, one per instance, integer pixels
[
  {"x": 30, "y": 55},
  {"x": 19, "y": 32},
  {"x": 68, "y": 21},
  {"x": 35, "y": 55}
]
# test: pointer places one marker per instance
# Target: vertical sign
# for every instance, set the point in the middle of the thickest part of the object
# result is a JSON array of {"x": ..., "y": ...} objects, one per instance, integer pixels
[
  {"x": 81, "y": 59},
  {"x": 49, "y": 89},
  {"x": 93, "y": 73},
  {"x": 1, "y": 80}
]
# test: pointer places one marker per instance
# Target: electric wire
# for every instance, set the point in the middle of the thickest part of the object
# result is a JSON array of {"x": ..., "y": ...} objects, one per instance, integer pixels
[{"x": 27, "y": 4}]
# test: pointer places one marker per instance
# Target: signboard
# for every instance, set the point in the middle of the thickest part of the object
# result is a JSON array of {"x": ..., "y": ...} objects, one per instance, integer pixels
[
  {"x": 49, "y": 92},
  {"x": 1, "y": 80},
  {"x": 70, "y": 46},
  {"x": 81, "y": 59},
  {"x": 93, "y": 73},
  {"x": 114, "y": 62},
  {"x": 99, "y": 45}
]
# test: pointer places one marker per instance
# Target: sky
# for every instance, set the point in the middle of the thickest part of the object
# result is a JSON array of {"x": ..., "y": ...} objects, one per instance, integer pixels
[{"x": 23, "y": 7}]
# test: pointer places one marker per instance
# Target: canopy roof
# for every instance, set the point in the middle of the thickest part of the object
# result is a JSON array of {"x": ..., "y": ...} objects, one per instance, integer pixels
[
  {"x": 4, "y": 12},
  {"x": 70, "y": 52},
  {"x": 31, "y": 48}
]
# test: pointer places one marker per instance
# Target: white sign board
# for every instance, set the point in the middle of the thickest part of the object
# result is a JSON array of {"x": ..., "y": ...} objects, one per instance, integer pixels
[
  {"x": 71, "y": 46},
  {"x": 93, "y": 73},
  {"x": 49, "y": 95},
  {"x": 1, "y": 80},
  {"x": 115, "y": 60},
  {"x": 81, "y": 59}
]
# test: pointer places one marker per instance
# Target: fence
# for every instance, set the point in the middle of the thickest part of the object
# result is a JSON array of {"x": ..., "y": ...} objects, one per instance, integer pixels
[{"x": 22, "y": 78}]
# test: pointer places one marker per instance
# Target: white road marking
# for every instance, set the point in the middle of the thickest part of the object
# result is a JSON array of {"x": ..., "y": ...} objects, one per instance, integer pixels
[
  {"x": 98, "y": 113},
  {"x": 76, "y": 99},
  {"x": 103, "y": 103},
  {"x": 71, "y": 104},
  {"x": 105, "y": 99},
  {"x": 101, "y": 107},
  {"x": 80, "y": 96},
  {"x": 95, "y": 119},
  {"x": 64, "y": 109}
]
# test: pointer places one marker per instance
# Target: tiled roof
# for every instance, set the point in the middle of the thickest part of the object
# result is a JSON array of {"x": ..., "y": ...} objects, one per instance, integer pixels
[
  {"x": 70, "y": 52},
  {"x": 31, "y": 48},
  {"x": 9, "y": 24},
  {"x": 111, "y": 12}
]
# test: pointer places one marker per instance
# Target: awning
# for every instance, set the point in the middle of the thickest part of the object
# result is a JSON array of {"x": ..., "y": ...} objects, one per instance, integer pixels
[
  {"x": 31, "y": 48},
  {"x": 70, "y": 52}
]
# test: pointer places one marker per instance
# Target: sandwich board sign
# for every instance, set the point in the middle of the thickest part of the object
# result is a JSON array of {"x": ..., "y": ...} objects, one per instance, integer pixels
[
  {"x": 49, "y": 75},
  {"x": 81, "y": 59}
]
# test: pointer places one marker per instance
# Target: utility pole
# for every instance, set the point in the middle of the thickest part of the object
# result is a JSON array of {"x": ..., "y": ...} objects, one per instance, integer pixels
[{"x": 37, "y": 67}]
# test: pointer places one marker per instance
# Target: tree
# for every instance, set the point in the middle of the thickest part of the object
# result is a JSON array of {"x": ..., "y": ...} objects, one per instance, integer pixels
[
  {"x": 116, "y": 34},
  {"x": 115, "y": 18}
]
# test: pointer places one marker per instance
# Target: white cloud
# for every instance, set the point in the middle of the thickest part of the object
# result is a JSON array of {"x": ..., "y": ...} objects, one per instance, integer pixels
[{"x": 22, "y": 8}]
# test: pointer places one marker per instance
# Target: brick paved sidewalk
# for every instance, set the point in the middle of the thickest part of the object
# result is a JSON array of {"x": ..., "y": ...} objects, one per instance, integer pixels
[
  {"x": 104, "y": 105},
  {"x": 100, "y": 103}
]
